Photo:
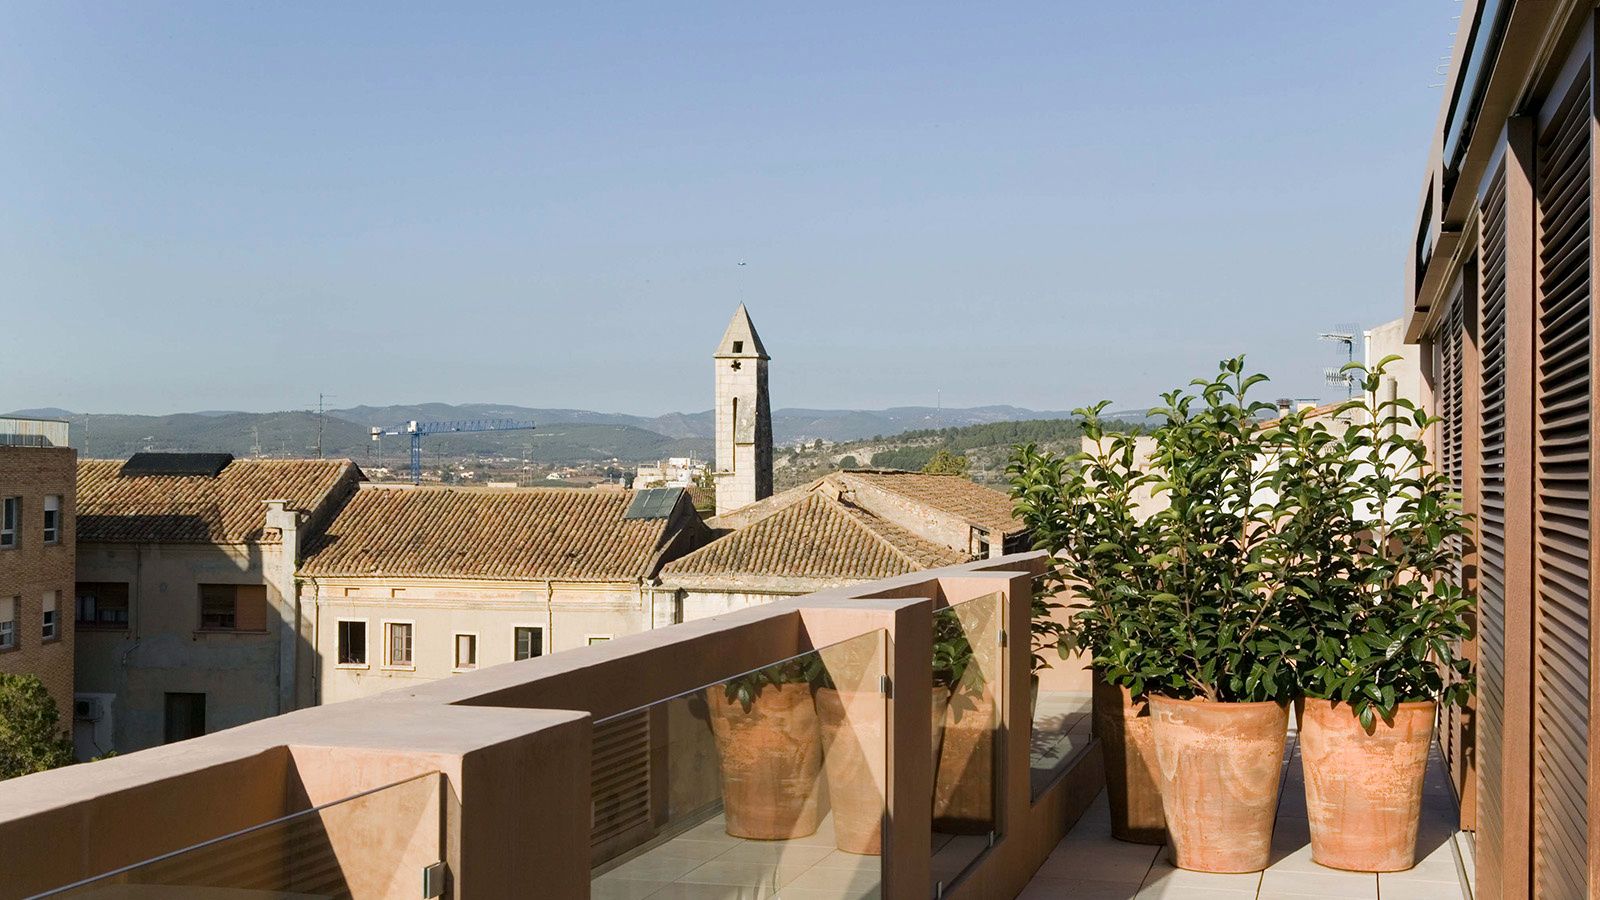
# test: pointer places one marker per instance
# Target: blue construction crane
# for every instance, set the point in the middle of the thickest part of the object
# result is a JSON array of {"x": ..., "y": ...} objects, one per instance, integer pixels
[{"x": 417, "y": 429}]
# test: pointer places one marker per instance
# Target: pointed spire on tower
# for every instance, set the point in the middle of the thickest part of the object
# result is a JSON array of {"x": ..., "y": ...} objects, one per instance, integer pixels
[{"x": 741, "y": 339}]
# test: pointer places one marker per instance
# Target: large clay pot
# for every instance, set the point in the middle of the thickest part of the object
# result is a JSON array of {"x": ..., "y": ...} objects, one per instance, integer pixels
[
  {"x": 963, "y": 785},
  {"x": 1364, "y": 788},
  {"x": 1132, "y": 777},
  {"x": 1220, "y": 765},
  {"x": 853, "y": 757},
  {"x": 771, "y": 762}
]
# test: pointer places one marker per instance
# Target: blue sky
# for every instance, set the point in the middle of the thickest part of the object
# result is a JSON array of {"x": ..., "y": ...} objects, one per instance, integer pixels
[{"x": 235, "y": 206}]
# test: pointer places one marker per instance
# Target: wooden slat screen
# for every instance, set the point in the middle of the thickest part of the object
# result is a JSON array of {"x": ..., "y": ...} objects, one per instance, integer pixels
[
  {"x": 1490, "y": 724},
  {"x": 620, "y": 770},
  {"x": 1450, "y": 369},
  {"x": 1561, "y": 485}
]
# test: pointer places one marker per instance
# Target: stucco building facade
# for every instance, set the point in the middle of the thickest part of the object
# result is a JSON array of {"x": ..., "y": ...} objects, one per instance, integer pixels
[
  {"x": 188, "y": 617},
  {"x": 413, "y": 584}
]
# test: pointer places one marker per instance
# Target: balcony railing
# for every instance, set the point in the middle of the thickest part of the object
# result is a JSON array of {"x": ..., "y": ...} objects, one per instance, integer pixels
[{"x": 798, "y": 747}]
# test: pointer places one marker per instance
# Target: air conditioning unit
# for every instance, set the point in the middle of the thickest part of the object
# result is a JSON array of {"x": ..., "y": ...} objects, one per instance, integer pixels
[{"x": 88, "y": 709}]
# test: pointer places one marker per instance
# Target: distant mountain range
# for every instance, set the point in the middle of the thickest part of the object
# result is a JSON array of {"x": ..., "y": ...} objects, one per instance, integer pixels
[{"x": 561, "y": 436}]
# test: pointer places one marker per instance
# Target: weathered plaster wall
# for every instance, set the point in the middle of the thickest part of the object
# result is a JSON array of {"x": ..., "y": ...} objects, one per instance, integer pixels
[
  {"x": 924, "y": 521},
  {"x": 163, "y": 649}
]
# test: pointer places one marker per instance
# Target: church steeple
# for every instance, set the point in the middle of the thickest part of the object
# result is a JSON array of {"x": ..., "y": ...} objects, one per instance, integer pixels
[
  {"x": 743, "y": 416},
  {"x": 741, "y": 339}
]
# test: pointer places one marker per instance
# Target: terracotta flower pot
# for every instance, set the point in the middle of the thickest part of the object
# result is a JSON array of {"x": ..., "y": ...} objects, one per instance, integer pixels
[
  {"x": 1220, "y": 765},
  {"x": 853, "y": 758},
  {"x": 771, "y": 762},
  {"x": 963, "y": 785},
  {"x": 1364, "y": 789},
  {"x": 1132, "y": 777}
]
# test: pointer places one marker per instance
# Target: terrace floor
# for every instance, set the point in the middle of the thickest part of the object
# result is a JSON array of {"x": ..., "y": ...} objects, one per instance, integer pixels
[{"x": 1090, "y": 865}]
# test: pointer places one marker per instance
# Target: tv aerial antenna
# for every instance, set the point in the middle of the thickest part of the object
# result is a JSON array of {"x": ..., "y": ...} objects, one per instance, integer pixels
[{"x": 1344, "y": 333}]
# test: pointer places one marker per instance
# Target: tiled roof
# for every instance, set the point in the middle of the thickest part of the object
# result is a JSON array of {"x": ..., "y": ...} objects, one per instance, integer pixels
[
  {"x": 953, "y": 494},
  {"x": 820, "y": 538},
  {"x": 527, "y": 534},
  {"x": 227, "y": 509}
]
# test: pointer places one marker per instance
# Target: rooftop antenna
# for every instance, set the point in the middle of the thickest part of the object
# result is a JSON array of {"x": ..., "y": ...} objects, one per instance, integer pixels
[
  {"x": 321, "y": 418},
  {"x": 1343, "y": 333},
  {"x": 255, "y": 443}
]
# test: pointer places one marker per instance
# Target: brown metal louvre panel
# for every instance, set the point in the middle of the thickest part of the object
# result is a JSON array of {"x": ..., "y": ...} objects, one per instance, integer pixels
[
  {"x": 1490, "y": 726},
  {"x": 1448, "y": 348},
  {"x": 620, "y": 769},
  {"x": 1561, "y": 484}
]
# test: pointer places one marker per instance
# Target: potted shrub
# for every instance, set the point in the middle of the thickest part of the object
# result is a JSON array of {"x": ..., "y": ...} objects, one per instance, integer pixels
[
  {"x": 1081, "y": 508},
  {"x": 770, "y": 749},
  {"x": 1379, "y": 530},
  {"x": 1222, "y": 632}
]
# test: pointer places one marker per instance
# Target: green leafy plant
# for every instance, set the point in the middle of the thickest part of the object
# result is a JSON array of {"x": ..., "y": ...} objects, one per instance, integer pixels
[
  {"x": 1081, "y": 508},
  {"x": 1219, "y": 553},
  {"x": 807, "y": 669},
  {"x": 1377, "y": 532},
  {"x": 31, "y": 736},
  {"x": 952, "y": 654}
]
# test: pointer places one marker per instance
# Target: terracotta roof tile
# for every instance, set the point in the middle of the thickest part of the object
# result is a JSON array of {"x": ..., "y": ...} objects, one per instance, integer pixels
[
  {"x": 817, "y": 537},
  {"x": 954, "y": 494},
  {"x": 227, "y": 509},
  {"x": 528, "y": 534}
]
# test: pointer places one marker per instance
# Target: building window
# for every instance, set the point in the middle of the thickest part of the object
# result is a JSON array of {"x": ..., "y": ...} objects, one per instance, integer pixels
[
  {"x": 8, "y": 623},
  {"x": 738, "y": 346},
  {"x": 52, "y": 519},
  {"x": 598, "y": 639},
  {"x": 186, "y": 717},
  {"x": 48, "y": 629},
  {"x": 233, "y": 607},
  {"x": 466, "y": 651},
  {"x": 103, "y": 604},
  {"x": 400, "y": 644},
  {"x": 352, "y": 642},
  {"x": 10, "y": 514},
  {"x": 529, "y": 642}
]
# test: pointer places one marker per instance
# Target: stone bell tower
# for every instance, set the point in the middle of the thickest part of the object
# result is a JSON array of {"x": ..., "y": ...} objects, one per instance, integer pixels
[{"x": 744, "y": 417}]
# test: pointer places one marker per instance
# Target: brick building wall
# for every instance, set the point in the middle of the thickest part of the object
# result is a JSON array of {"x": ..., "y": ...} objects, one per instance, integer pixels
[{"x": 31, "y": 569}]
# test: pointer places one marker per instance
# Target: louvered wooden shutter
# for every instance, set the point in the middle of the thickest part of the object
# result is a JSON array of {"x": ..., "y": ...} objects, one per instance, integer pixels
[
  {"x": 1489, "y": 727},
  {"x": 1562, "y": 387},
  {"x": 1450, "y": 365},
  {"x": 620, "y": 774}
]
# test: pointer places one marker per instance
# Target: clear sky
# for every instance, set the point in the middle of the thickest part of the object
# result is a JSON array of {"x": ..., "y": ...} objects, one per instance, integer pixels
[{"x": 234, "y": 206}]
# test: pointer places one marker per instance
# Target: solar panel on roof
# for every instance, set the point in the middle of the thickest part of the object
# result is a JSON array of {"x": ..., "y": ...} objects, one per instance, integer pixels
[
  {"x": 208, "y": 465},
  {"x": 653, "y": 503}
]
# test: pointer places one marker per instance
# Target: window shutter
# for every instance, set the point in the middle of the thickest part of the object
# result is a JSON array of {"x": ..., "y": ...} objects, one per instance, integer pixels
[
  {"x": 250, "y": 607},
  {"x": 620, "y": 772},
  {"x": 1453, "y": 357},
  {"x": 1489, "y": 727},
  {"x": 1562, "y": 388}
]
